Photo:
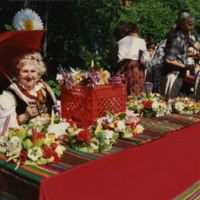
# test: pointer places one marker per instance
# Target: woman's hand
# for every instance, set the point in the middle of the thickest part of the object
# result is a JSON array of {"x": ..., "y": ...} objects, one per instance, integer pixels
[{"x": 31, "y": 112}]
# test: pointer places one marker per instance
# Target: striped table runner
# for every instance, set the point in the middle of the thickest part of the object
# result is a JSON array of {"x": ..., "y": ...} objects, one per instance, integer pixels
[{"x": 154, "y": 129}]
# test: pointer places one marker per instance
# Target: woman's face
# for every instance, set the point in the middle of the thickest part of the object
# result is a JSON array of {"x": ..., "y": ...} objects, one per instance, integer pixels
[
  {"x": 188, "y": 27},
  {"x": 28, "y": 76}
]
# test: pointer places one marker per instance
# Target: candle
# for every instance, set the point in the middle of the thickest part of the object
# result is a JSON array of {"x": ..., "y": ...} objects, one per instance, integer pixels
[
  {"x": 35, "y": 134},
  {"x": 98, "y": 126},
  {"x": 146, "y": 89},
  {"x": 92, "y": 63},
  {"x": 6, "y": 125},
  {"x": 52, "y": 116}
]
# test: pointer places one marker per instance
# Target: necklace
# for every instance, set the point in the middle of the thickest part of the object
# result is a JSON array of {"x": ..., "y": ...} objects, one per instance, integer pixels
[{"x": 40, "y": 95}]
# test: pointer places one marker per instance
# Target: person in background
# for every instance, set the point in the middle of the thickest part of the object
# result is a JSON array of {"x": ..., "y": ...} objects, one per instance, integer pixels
[
  {"x": 191, "y": 51},
  {"x": 153, "y": 72},
  {"x": 151, "y": 49},
  {"x": 128, "y": 58},
  {"x": 29, "y": 96},
  {"x": 175, "y": 60}
]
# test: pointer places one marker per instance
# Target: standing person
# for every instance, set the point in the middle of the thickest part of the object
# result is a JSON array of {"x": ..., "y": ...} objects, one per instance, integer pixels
[
  {"x": 29, "y": 96},
  {"x": 175, "y": 60},
  {"x": 153, "y": 73},
  {"x": 128, "y": 56}
]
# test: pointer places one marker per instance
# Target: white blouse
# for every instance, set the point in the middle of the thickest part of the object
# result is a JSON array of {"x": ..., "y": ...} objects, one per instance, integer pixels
[
  {"x": 8, "y": 105},
  {"x": 129, "y": 47}
]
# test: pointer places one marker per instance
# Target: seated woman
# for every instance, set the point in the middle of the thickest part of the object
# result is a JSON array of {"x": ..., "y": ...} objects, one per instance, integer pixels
[{"x": 29, "y": 96}]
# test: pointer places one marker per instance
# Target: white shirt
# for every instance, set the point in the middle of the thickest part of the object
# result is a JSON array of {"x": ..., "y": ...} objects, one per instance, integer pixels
[{"x": 129, "y": 47}]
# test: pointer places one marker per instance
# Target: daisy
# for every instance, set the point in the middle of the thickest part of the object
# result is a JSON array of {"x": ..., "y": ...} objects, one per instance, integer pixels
[{"x": 26, "y": 19}]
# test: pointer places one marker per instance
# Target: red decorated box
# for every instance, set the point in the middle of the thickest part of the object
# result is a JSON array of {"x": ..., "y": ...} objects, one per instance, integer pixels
[{"x": 84, "y": 105}]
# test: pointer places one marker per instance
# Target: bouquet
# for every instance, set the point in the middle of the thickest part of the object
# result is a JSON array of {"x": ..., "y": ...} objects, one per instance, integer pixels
[
  {"x": 184, "y": 105},
  {"x": 104, "y": 132},
  {"x": 89, "y": 78},
  {"x": 36, "y": 142},
  {"x": 154, "y": 105}
]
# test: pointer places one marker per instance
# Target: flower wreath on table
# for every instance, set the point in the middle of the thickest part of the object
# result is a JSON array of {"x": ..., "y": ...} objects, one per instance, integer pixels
[
  {"x": 104, "y": 132},
  {"x": 184, "y": 105},
  {"x": 36, "y": 142},
  {"x": 153, "y": 105}
]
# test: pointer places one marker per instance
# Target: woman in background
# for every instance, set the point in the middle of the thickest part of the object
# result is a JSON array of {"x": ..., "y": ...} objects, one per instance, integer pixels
[{"x": 128, "y": 58}]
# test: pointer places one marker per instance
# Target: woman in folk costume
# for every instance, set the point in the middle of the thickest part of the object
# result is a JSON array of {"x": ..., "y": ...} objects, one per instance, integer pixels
[
  {"x": 128, "y": 56},
  {"x": 29, "y": 96}
]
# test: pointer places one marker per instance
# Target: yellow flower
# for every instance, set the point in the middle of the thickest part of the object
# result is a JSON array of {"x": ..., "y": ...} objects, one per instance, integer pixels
[
  {"x": 139, "y": 129},
  {"x": 104, "y": 76}
]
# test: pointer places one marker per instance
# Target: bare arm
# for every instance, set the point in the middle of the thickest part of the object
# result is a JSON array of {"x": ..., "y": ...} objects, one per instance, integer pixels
[
  {"x": 197, "y": 46},
  {"x": 175, "y": 63}
]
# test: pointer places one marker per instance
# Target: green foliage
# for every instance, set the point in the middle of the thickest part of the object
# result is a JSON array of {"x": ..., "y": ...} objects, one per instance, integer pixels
[
  {"x": 54, "y": 86},
  {"x": 9, "y": 27},
  {"x": 74, "y": 26}
]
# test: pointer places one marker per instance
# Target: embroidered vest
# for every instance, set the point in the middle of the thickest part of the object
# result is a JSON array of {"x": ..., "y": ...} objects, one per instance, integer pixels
[{"x": 21, "y": 104}]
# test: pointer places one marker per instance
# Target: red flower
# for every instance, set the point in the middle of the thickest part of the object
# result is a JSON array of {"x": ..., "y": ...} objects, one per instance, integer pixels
[
  {"x": 41, "y": 135},
  {"x": 48, "y": 152},
  {"x": 65, "y": 138},
  {"x": 95, "y": 122},
  {"x": 70, "y": 122},
  {"x": 56, "y": 158},
  {"x": 133, "y": 125},
  {"x": 83, "y": 77},
  {"x": 54, "y": 145},
  {"x": 84, "y": 136},
  {"x": 147, "y": 103},
  {"x": 105, "y": 126},
  {"x": 22, "y": 156}
]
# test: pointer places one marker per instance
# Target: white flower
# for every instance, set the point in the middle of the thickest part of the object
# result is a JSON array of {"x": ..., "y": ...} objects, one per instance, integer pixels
[
  {"x": 121, "y": 125},
  {"x": 14, "y": 141},
  {"x": 179, "y": 106},
  {"x": 40, "y": 120},
  {"x": 58, "y": 129},
  {"x": 75, "y": 132},
  {"x": 3, "y": 140},
  {"x": 155, "y": 105},
  {"x": 94, "y": 143},
  {"x": 35, "y": 153},
  {"x": 109, "y": 134},
  {"x": 26, "y": 19},
  {"x": 59, "y": 150}
]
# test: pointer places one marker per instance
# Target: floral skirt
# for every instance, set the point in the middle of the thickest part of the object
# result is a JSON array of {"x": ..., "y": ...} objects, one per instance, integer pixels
[{"x": 133, "y": 75}]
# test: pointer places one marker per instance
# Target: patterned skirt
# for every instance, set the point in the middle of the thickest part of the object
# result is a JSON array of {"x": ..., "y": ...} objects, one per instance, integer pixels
[{"x": 133, "y": 75}]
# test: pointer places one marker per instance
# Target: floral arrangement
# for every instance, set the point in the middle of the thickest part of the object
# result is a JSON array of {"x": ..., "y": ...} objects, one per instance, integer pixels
[
  {"x": 36, "y": 142},
  {"x": 27, "y": 19},
  {"x": 184, "y": 105},
  {"x": 153, "y": 105},
  {"x": 89, "y": 78},
  {"x": 104, "y": 132}
]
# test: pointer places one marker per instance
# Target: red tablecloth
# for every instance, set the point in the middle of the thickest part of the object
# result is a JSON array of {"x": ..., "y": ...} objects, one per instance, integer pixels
[{"x": 161, "y": 169}]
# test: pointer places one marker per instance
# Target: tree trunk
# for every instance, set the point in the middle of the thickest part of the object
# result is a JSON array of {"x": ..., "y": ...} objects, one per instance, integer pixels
[{"x": 49, "y": 6}]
